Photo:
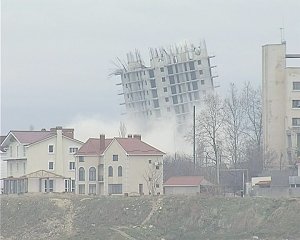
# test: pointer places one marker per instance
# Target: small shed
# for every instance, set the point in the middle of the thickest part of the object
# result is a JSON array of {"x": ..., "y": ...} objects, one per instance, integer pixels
[{"x": 187, "y": 185}]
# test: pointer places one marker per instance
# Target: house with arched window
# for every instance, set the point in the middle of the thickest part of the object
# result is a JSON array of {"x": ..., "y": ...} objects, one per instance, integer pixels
[{"x": 119, "y": 166}]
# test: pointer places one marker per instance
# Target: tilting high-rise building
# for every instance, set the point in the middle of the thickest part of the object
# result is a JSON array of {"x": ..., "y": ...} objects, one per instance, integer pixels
[{"x": 176, "y": 80}]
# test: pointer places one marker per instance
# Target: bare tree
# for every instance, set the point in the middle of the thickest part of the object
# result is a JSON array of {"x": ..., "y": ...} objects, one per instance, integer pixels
[
  {"x": 153, "y": 177},
  {"x": 253, "y": 106},
  {"x": 252, "y": 102},
  {"x": 209, "y": 129},
  {"x": 234, "y": 125}
]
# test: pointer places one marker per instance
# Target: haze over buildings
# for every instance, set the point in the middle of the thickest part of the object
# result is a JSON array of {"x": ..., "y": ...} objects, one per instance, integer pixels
[
  {"x": 57, "y": 54},
  {"x": 176, "y": 80}
]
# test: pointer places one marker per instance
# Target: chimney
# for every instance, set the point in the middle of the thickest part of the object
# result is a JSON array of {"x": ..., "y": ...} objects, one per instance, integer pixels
[
  {"x": 129, "y": 135},
  {"x": 102, "y": 142},
  {"x": 137, "y": 136}
]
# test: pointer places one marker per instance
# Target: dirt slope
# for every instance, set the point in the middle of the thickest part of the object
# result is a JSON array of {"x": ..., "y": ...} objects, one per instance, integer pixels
[{"x": 63, "y": 216}]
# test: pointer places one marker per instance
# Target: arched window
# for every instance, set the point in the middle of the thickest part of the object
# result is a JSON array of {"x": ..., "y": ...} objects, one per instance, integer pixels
[
  {"x": 92, "y": 174},
  {"x": 81, "y": 174},
  {"x": 120, "y": 171},
  {"x": 110, "y": 171}
]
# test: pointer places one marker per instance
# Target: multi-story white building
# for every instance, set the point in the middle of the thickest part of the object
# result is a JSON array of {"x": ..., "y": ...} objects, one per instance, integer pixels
[
  {"x": 118, "y": 166},
  {"x": 174, "y": 82},
  {"x": 281, "y": 106},
  {"x": 40, "y": 161}
]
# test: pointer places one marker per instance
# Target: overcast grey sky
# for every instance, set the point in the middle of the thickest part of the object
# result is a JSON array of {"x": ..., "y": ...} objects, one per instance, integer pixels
[{"x": 56, "y": 54}]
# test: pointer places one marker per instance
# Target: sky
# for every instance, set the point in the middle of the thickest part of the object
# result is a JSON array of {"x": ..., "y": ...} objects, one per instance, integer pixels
[{"x": 57, "y": 54}]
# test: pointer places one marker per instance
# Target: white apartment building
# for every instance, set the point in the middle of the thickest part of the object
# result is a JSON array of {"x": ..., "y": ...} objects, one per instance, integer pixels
[
  {"x": 281, "y": 106},
  {"x": 119, "y": 166},
  {"x": 40, "y": 161},
  {"x": 175, "y": 81}
]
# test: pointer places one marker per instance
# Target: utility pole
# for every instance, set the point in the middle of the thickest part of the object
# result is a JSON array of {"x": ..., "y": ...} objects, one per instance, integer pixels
[{"x": 194, "y": 136}]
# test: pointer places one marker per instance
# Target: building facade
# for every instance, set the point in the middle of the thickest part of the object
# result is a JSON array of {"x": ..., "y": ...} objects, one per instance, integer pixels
[
  {"x": 281, "y": 107},
  {"x": 40, "y": 161},
  {"x": 175, "y": 81},
  {"x": 119, "y": 166}
]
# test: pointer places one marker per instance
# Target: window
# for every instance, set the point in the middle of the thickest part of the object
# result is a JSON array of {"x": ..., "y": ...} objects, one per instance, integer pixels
[
  {"x": 167, "y": 99},
  {"x": 92, "y": 174},
  {"x": 73, "y": 150},
  {"x": 195, "y": 85},
  {"x": 81, "y": 174},
  {"x": 163, "y": 79},
  {"x": 50, "y": 165},
  {"x": 24, "y": 151},
  {"x": 170, "y": 70},
  {"x": 192, "y": 65},
  {"x": 152, "y": 83},
  {"x": 67, "y": 185},
  {"x": 50, "y": 148},
  {"x": 157, "y": 185},
  {"x": 156, "y": 103},
  {"x": 185, "y": 68},
  {"x": 81, "y": 159},
  {"x": 115, "y": 157},
  {"x": 51, "y": 183},
  {"x": 296, "y": 104},
  {"x": 173, "y": 89},
  {"x": 162, "y": 69},
  {"x": 114, "y": 188},
  {"x": 151, "y": 73},
  {"x": 72, "y": 185},
  {"x": 187, "y": 77},
  {"x": 200, "y": 72},
  {"x": 157, "y": 167},
  {"x": 92, "y": 188},
  {"x": 193, "y": 76},
  {"x": 176, "y": 68},
  {"x": 165, "y": 89},
  {"x": 81, "y": 188},
  {"x": 175, "y": 100},
  {"x": 199, "y": 62},
  {"x": 154, "y": 93},
  {"x": 172, "y": 80},
  {"x": 150, "y": 161},
  {"x": 296, "y": 85},
  {"x": 49, "y": 186},
  {"x": 71, "y": 165},
  {"x": 119, "y": 171},
  {"x": 196, "y": 95},
  {"x": 295, "y": 121},
  {"x": 202, "y": 82},
  {"x": 110, "y": 171}
]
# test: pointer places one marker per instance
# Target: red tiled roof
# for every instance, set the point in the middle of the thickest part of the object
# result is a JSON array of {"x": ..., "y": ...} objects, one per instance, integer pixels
[
  {"x": 187, "y": 181},
  {"x": 29, "y": 137},
  {"x": 92, "y": 147},
  {"x": 132, "y": 146}
]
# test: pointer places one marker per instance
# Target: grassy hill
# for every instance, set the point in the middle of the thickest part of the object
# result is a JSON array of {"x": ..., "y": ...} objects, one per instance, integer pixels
[{"x": 67, "y": 216}]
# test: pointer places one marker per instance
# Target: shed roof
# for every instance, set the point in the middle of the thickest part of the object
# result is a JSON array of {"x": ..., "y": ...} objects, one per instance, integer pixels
[{"x": 187, "y": 181}]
